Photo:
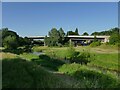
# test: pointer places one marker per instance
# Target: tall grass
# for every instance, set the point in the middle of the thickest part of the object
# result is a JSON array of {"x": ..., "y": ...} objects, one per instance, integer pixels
[
  {"x": 89, "y": 78},
  {"x": 106, "y": 61},
  {"x": 19, "y": 73}
]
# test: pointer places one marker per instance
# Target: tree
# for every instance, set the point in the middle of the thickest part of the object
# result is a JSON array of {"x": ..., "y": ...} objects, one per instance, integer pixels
[
  {"x": 6, "y": 32},
  {"x": 85, "y": 34},
  {"x": 54, "y": 37},
  {"x": 73, "y": 33},
  {"x": 47, "y": 41},
  {"x": 108, "y": 32},
  {"x": 76, "y": 31},
  {"x": 114, "y": 38},
  {"x": 70, "y": 33},
  {"x": 62, "y": 35},
  {"x": 21, "y": 41},
  {"x": 26, "y": 41},
  {"x": 10, "y": 42}
]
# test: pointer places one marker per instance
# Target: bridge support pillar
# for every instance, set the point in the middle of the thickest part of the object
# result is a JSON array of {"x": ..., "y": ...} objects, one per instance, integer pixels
[{"x": 44, "y": 43}]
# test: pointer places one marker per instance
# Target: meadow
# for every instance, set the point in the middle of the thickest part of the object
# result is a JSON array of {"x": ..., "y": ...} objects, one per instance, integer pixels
[{"x": 51, "y": 70}]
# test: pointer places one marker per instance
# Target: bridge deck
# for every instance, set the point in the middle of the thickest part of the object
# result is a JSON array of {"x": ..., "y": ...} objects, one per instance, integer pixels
[{"x": 86, "y": 37}]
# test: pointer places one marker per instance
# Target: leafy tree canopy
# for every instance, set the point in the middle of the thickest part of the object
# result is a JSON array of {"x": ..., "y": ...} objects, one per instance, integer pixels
[
  {"x": 109, "y": 32},
  {"x": 73, "y": 33},
  {"x": 56, "y": 37},
  {"x": 85, "y": 34}
]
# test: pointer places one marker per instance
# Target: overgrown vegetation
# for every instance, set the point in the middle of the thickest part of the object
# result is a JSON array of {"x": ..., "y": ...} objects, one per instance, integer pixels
[
  {"x": 90, "y": 78},
  {"x": 96, "y": 43}
]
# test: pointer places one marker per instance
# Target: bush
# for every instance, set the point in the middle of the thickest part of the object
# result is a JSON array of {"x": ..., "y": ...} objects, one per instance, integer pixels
[
  {"x": 114, "y": 38},
  {"x": 74, "y": 56},
  {"x": 94, "y": 44},
  {"x": 82, "y": 58},
  {"x": 10, "y": 42},
  {"x": 71, "y": 53}
]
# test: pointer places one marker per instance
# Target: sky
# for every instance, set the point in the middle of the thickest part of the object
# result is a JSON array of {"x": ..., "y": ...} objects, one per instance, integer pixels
[
  {"x": 37, "y": 18},
  {"x": 60, "y": 0}
]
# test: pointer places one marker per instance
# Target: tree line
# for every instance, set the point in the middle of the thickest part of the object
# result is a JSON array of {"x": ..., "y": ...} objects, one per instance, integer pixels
[
  {"x": 11, "y": 40},
  {"x": 57, "y": 37}
]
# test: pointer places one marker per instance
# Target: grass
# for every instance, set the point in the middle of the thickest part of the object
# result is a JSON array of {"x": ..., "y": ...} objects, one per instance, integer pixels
[
  {"x": 19, "y": 73},
  {"x": 28, "y": 56},
  {"x": 7, "y": 55},
  {"x": 48, "y": 62},
  {"x": 106, "y": 61},
  {"x": 90, "y": 78},
  {"x": 36, "y": 71}
]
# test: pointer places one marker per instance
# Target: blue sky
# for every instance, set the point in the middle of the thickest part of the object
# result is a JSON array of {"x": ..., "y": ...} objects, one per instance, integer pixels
[{"x": 33, "y": 19}]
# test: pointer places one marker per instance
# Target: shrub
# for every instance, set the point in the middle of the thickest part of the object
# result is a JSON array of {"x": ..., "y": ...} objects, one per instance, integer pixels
[
  {"x": 94, "y": 44},
  {"x": 10, "y": 42},
  {"x": 114, "y": 38},
  {"x": 74, "y": 56},
  {"x": 71, "y": 53},
  {"x": 82, "y": 58}
]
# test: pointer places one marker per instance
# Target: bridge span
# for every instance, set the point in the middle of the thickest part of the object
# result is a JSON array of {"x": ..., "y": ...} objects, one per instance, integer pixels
[{"x": 77, "y": 39}]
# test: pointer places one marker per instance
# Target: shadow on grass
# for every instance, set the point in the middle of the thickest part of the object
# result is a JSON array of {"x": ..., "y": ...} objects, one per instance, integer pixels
[
  {"x": 15, "y": 51},
  {"x": 18, "y": 51},
  {"x": 48, "y": 62},
  {"x": 19, "y": 73}
]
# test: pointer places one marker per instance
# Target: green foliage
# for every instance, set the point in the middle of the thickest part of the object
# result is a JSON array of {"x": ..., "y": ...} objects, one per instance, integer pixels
[
  {"x": 82, "y": 58},
  {"x": 28, "y": 48},
  {"x": 95, "y": 39},
  {"x": 8, "y": 37},
  {"x": 94, "y": 44},
  {"x": 62, "y": 36},
  {"x": 85, "y": 34},
  {"x": 109, "y": 32},
  {"x": 56, "y": 37},
  {"x": 77, "y": 57},
  {"x": 105, "y": 61},
  {"x": 69, "y": 68},
  {"x": 73, "y": 33},
  {"x": 114, "y": 38},
  {"x": 6, "y": 32},
  {"x": 38, "y": 42},
  {"x": 10, "y": 42},
  {"x": 76, "y": 31},
  {"x": 71, "y": 53},
  {"x": 95, "y": 79},
  {"x": 26, "y": 41},
  {"x": 89, "y": 78}
]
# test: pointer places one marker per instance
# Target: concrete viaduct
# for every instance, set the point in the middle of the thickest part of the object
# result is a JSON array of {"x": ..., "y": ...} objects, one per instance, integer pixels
[{"x": 78, "y": 39}]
